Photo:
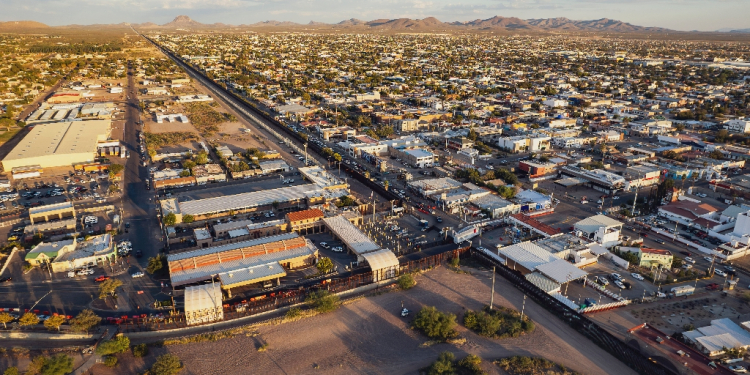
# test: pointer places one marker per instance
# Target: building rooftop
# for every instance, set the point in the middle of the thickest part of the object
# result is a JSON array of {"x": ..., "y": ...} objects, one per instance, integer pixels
[
  {"x": 655, "y": 251},
  {"x": 51, "y": 208},
  {"x": 305, "y": 214},
  {"x": 354, "y": 239},
  {"x": 47, "y": 140},
  {"x": 203, "y": 297}
]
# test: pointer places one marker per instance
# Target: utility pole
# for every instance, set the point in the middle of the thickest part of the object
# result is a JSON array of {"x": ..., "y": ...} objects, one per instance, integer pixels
[
  {"x": 523, "y": 306},
  {"x": 492, "y": 293}
]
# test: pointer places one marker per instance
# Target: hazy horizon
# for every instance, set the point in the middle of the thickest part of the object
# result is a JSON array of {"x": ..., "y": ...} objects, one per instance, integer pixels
[{"x": 684, "y": 15}]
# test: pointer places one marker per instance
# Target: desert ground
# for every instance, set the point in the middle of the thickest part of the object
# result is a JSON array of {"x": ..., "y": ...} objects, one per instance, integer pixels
[{"x": 368, "y": 336}]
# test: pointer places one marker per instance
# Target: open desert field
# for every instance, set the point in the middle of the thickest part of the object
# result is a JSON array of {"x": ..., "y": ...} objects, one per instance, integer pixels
[{"x": 368, "y": 336}]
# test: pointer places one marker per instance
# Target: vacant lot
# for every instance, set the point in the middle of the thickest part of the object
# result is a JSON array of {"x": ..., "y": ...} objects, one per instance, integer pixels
[{"x": 369, "y": 336}]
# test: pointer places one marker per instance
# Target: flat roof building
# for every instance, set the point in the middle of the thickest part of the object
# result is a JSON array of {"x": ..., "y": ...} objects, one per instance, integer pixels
[{"x": 59, "y": 144}]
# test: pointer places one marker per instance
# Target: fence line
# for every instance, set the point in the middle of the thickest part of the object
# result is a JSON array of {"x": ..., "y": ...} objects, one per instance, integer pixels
[{"x": 628, "y": 355}]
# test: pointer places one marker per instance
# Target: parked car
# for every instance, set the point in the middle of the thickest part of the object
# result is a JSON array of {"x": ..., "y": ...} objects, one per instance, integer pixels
[
  {"x": 738, "y": 369},
  {"x": 637, "y": 276},
  {"x": 720, "y": 273},
  {"x": 602, "y": 280},
  {"x": 137, "y": 275}
]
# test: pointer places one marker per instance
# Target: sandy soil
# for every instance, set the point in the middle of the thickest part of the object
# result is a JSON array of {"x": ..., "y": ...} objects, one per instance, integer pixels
[
  {"x": 368, "y": 337},
  {"x": 167, "y": 127}
]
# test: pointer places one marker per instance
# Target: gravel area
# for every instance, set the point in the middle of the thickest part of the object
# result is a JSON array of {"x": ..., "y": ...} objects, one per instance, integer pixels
[{"x": 368, "y": 336}]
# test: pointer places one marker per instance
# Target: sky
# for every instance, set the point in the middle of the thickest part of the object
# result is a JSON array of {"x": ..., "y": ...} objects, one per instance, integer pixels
[{"x": 703, "y": 15}]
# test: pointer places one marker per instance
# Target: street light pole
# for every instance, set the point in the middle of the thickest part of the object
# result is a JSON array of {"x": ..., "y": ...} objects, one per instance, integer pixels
[{"x": 492, "y": 293}]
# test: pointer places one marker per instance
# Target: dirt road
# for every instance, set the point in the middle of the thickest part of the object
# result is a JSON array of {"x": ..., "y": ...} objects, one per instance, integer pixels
[{"x": 369, "y": 337}]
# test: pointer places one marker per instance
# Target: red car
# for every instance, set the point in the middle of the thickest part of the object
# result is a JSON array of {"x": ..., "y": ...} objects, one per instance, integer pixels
[
  {"x": 712, "y": 286},
  {"x": 101, "y": 278}
]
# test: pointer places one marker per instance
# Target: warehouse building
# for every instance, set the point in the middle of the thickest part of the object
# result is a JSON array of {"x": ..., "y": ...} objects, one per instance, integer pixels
[
  {"x": 284, "y": 199},
  {"x": 721, "y": 335},
  {"x": 59, "y": 144},
  {"x": 242, "y": 263}
]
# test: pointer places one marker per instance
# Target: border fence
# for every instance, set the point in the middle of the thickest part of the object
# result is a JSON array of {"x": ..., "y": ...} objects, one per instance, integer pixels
[
  {"x": 614, "y": 346},
  {"x": 282, "y": 298}
]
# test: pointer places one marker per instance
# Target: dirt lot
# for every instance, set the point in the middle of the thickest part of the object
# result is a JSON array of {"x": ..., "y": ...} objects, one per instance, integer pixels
[{"x": 368, "y": 336}]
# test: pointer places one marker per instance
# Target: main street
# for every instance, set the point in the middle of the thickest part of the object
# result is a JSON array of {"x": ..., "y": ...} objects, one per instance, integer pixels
[{"x": 69, "y": 296}]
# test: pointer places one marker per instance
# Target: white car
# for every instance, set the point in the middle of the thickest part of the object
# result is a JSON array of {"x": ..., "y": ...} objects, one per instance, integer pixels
[
  {"x": 707, "y": 259},
  {"x": 615, "y": 198},
  {"x": 690, "y": 260},
  {"x": 137, "y": 275},
  {"x": 720, "y": 273},
  {"x": 637, "y": 276},
  {"x": 85, "y": 272},
  {"x": 619, "y": 284}
]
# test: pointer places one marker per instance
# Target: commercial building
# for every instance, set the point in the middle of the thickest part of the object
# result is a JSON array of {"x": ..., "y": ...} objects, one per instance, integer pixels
[
  {"x": 597, "y": 179},
  {"x": 46, "y": 252},
  {"x": 416, "y": 157},
  {"x": 524, "y": 143},
  {"x": 600, "y": 228},
  {"x": 57, "y": 211},
  {"x": 306, "y": 221},
  {"x": 528, "y": 258},
  {"x": 203, "y": 304},
  {"x": 740, "y": 126},
  {"x": 58, "y": 144},
  {"x": 434, "y": 186},
  {"x": 689, "y": 213},
  {"x": 88, "y": 253},
  {"x": 654, "y": 257},
  {"x": 208, "y": 173},
  {"x": 722, "y": 334}
]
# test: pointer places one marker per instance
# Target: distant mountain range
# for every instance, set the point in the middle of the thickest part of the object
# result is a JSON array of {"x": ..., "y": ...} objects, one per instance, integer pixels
[{"x": 497, "y": 23}]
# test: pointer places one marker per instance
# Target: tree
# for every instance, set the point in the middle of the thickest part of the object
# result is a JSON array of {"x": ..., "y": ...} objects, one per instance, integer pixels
[
  {"x": 28, "y": 319},
  {"x": 167, "y": 364},
  {"x": 386, "y": 184},
  {"x": 11, "y": 371},
  {"x": 59, "y": 364},
  {"x": 108, "y": 287},
  {"x": 114, "y": 170},
  {"x": 323, "y": 301},
  {"x": 201, "y": 158},
  {"x": 119, "y": 344},
  {"x": 436, "y": 324},
  {"x": 716, "y": 154},
  {"x": 721, "y": 136},
  {"x": 54, "y": 322},
  {"x": 188, "y": 218},
  {"x": 169, "y": 219},
  {"x": 185, "y": 173},
  {"x": 6, "y": 318},
  {"x": 156, "y": 264},
  {"x": 188, "y": 164},
  {"x": 443, "y": 365},
  {"x": 84, "y": 321},
  {"x": 325, "y": 265},
  {"x": 337, "y": 157}
]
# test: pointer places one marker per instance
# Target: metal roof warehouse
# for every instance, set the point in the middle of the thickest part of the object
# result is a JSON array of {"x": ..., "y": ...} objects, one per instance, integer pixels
[{"x": 254, "y": 199}]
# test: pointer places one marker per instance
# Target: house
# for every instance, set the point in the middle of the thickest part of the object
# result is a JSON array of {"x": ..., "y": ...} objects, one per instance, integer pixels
[{"x": 459, "y": 143}]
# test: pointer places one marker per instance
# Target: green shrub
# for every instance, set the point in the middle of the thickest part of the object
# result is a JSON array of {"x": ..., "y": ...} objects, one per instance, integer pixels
[
  {"x": 521, "y": 365},
  {"x": 406, "y": 281},
  {"x": 167, "y": 364},
  {"x": 110, "y": 361},
  {"x": 323, "y": 301},
  {"x": 499, "y": 322},
  {"x": 140, "y": 350},
  {"x": 119, "y": 344},
  {"x": 293, "y": 313},
  {"x": 443, "y": 365},
  {"x": 436, "y": 324},
  {"x": 472, "y": 364}
]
